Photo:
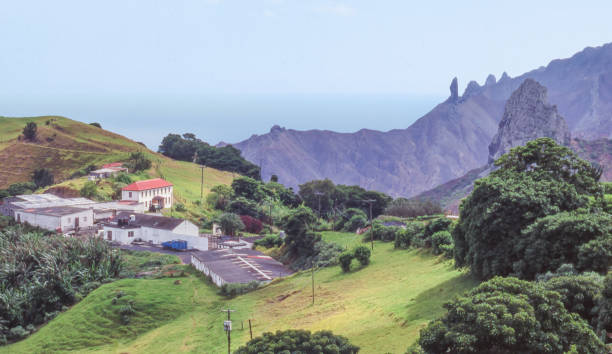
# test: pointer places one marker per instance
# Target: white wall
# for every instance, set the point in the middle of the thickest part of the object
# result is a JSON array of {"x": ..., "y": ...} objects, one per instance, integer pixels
[
  {"x": 147, "y": 196},
  {"x": 65, "y": 222},
  {"x": 155, "y": 236},
  {"x": 202, "y": 267},
  {"x": 187, "y": 228}
]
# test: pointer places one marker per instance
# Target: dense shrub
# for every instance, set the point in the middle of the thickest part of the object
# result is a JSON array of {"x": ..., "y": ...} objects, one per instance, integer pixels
[
  {"x": 234, "y": 289},
  {"x": 345, "y": 260},
  {"x": 138, "y": 161},
  {"x": 356, "y": 222},
  {"x": 89, "y": 190},
  {"x": 324, "y": 254},
  {"x": 362, "y": 254},
  {"x": 299, "y": 341},
  {"x": 345, "y": 217},
  {"x": 269, "y": 241},
  {"x": 243, "y": 206},
  {"x": 508, "y": 315},
  {"x": 42, "y": 177},
  {"x": 579, "y": 293},
  {"x": 230, "y": 223},
  {"x": 409, "y": 208},
  {"x": 40, "y": 273},
  {"x": 604, "y": 317},
  {"x": 96, "y": 124},
  {"x": 29, "y": 132},
  {"x": 251, "y": 224},
  {"x": 557, "y": 239},
  {"x": 180, "y": 207},
  {"x": 403, "y": 239},
  {"x": 382, "y": 232},
  {"x": 439, "y": 240}
]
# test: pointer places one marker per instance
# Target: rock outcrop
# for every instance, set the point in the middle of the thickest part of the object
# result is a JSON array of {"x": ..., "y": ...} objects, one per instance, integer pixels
[
  {"x": 454, "y": 90},
  {"x": 528, "y": 116}
]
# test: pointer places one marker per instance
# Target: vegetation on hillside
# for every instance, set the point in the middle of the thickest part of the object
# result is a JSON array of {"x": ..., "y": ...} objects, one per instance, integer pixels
[
  {"x": 41, "y": 273},
  {"x": 190, "y": 148},
  {"x": 292, "y": 341}
]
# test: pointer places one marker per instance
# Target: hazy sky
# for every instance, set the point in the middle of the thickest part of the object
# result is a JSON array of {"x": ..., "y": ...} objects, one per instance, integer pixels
[{"x": 63, "y": 52}]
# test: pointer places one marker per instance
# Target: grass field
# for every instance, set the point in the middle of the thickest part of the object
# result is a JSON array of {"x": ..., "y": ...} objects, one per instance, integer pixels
[{"x": 381, "y": 308}]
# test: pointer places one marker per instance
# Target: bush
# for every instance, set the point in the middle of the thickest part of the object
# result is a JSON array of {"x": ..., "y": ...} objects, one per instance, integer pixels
[
  {"x": 243, "y": 206},
  {"x": 406, "y": 237},
  {"x": 345, "y": 261},
  {"x": 89, "y": 190},
  {"x": 298, "y": 341},
  {"x": 251, "y": 224},
  {"x": 439, "y": 239},
  {"x": 356, "y": 222},
  {"x": 138, "y": 161},
  {"x": 42, "y": 177},
  {"x": 269, "y": 241},
  {"x": 235, "y": 289},
  {"x": 96, "y": 124},
  {"x": 29, "y": 132},
  {"x": 362, "y": 254},
  {"x": 410, "y": 208},
  {"x": 180, "y": 207},
  {"x": 123, "y": 177},
  {"x": 230, "y": 223}
]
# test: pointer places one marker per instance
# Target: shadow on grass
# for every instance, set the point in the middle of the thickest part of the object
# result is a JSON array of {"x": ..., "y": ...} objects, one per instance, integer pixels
[{"x": 428, "y": 304}]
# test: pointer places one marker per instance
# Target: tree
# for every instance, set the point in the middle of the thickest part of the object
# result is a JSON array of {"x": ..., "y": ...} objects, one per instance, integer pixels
[
  {"x": 579, "y": 294},
  {"x": 439, "y": 240},
  {"x": 604, "y": 317},
  {"x": 230, "y": 223},
  {"x": 557, "y": 239},
  {"x": 309, "y": 193},
  {"x": 42, "y": 177},
  {"x": 274, "y": 178},
  {"x": 508, "y": 315},
  {"x": 220, "y": 196},
  {"x": 29, "y": 132},
  {"x": 298, "y": 341},
  {"x": 251, "y": 224},
  {"x": 21, "y": 188},
  {"x": 138, "y": 161},
  {"x": 89, "y": 190},
  {"x": 362, "y": 254},
  {"x": 243, "y": 206},
  {"x": 96, "y": 124},
  {"x": 299, "y": 240},
  {"x": 410, "y": 208},
  {"x": 248, "y": 188}
]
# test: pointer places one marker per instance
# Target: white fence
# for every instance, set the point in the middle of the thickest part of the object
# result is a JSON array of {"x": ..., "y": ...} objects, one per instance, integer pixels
[{"x": 202, "y": 267}]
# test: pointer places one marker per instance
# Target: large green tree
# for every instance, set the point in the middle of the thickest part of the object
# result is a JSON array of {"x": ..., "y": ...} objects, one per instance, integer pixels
[
  {"x": 42, "y": 177},
  {"x": 531, "y": 182},
  {"x": 508, "y": 315},
  {"x": 298, "y": 341}
]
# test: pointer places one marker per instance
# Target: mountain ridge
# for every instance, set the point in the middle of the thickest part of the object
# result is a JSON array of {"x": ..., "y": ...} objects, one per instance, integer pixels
[{"x": 445, "y": 143}]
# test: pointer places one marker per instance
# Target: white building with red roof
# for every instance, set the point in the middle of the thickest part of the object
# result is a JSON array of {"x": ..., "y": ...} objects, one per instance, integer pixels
[{"x": 152, "y": 192}]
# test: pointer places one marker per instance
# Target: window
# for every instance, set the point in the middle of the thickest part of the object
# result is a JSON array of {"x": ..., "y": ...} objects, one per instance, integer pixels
[
  {"x": 130, "y": 233},
  {"x": 130, "y": 194}
]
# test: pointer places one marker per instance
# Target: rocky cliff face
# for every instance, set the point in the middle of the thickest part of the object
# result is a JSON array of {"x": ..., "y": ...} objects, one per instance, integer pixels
[
  {"x": 447, "y": 142},
  {"x": 528, "y": 116}
]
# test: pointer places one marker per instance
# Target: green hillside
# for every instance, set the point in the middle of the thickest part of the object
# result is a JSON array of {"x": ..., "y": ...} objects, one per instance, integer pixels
[
  {"x": 65, "y": 146},
  {"x": 380, "y": 308}
]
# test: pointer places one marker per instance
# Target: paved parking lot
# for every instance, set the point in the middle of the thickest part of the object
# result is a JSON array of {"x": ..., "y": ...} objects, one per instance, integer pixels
[{"x": 241, "y": 265}]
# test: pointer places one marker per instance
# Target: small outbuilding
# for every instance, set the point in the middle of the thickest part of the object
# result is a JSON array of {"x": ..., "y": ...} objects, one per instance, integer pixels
[{"x": 61, "y": 218}]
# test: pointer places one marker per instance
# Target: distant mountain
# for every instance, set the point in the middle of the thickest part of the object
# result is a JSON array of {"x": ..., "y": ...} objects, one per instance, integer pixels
[
  {"x": 447, "y": 142},
  {"x": 527, "y": 116}
]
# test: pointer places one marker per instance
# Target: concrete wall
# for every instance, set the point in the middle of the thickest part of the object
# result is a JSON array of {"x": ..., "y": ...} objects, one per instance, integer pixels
[
  {"x": 122, "y": 235},
  {"x": 202, "y": 267},
  {"x": 65, "y": 222},
  {"x": 187, "y": 228}
]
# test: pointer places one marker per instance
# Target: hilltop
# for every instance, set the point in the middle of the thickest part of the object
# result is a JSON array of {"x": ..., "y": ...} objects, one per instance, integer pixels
[{"x": 65, "y": 146}]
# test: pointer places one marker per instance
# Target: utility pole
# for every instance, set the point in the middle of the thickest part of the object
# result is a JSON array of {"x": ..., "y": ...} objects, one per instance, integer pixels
[
  {"x": 319, "y": 194},
  {"x": 202, "y": 167},
  {"x": 227, "y": 326},
  {"x": 370, "y": 201},
  {"x": 312, "y": 274}
]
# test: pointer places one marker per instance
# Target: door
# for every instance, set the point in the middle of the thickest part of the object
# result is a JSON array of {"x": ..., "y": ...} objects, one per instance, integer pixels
[
  {"x": 109, "y": 235},
  {"x": 76, "y": 222}
]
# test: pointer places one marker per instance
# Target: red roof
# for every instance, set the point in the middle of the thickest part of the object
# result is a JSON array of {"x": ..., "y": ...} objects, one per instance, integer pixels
[
  {"x": 147, "y": 184},
  {"x": 114, "y": 164}
]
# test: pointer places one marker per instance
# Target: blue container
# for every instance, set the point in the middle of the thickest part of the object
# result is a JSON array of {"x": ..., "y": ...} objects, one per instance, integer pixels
[{"x": 175, "y": 244}]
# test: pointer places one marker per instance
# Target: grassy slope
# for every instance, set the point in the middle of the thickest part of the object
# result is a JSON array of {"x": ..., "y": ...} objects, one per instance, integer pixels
[
  {"x": 380, "y": 308},
  {"x": 75, "y": 145}
]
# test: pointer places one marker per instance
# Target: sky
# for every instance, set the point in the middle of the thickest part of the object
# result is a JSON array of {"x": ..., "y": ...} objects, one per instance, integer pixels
[{"x": 226, "y": 69}]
